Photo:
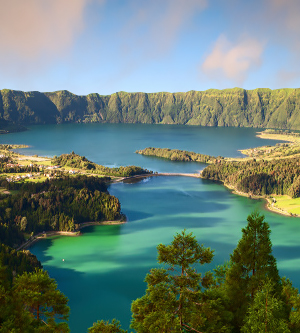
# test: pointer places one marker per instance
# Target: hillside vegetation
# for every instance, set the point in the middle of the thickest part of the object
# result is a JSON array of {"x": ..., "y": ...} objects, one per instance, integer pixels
[
  {"x": 58, "y": 204},
  {"x": 258, "y": 177},
  {"x": 82, "y": 163},
  {"x": 230, "y": 107},
  {"x": 178, "y": 155}
]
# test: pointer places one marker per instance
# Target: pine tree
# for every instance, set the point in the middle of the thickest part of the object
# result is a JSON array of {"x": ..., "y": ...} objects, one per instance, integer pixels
[
  {"x": 251, "y": 264},
  {"x": 40, "y": 296},
  {"x": 266, "y": 314},
  {"x": 291, "y": 299},
  {"x": 172, "y": 302},
  {"x": 106, "y": 327}
]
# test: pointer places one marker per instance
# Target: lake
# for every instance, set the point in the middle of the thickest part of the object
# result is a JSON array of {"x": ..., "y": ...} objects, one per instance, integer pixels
[{"x": 103, "y": 270}]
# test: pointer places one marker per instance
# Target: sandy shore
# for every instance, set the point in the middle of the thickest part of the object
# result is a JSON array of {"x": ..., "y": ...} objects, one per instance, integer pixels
[
  {"x": 33, "y": 158},
  {"x": 44, "y": 235}
]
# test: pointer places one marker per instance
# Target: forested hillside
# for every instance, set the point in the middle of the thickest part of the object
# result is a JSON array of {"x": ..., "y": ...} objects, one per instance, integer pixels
[
  {"x": 230, "y": 107},
  {"x": 281, "y": 176},
  {"x": 55, "y": 205},
  {"x": 179, "y": 155}
]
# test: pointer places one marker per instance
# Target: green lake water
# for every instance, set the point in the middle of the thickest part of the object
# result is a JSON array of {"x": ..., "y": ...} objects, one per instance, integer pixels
[{"x": 103, "y": 270}]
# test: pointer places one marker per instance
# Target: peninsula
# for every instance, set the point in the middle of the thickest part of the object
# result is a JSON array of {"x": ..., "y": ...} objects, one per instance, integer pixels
[{"x": 269, "y": 172}]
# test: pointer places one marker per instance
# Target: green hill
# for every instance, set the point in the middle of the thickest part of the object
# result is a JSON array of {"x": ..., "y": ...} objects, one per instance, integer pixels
[{"x": 230, "y": 107}]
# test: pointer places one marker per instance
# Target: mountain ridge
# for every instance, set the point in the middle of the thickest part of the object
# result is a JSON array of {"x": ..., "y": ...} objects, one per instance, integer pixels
[{"x": 261, "y": 107}]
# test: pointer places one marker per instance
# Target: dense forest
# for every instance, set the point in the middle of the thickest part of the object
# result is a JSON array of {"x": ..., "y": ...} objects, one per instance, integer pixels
[
  {"x": 178, "y": 155},
  {"x": 230, "y": 107},
  {"x": 258, "y": 177},
  {"x": 54, "y": 205},
  {"x": 81, "y": 162}
]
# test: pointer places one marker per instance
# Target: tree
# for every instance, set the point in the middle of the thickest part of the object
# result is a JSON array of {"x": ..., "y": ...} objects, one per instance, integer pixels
[
  {"x": 13, "y": 316},
  {"x": 106, "y": 327},
  {"x": 266, "y": 314},
  {"x": 173, "y": 297},
  {"x": 291, "y": 299},
  {"x": 23, "y": 223},
  {"x": 40, "y": 296},
  {"x": 251, "y": 264}
]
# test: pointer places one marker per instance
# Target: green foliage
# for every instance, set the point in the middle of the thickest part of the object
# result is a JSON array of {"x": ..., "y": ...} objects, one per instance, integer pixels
[
  {"x": 17, "y": 262},
  {"x": 31, "y": 303},
  {"x": 13, "y": 317},
  {"x": 263, "y": 177},
  {"x": 55, "y": 205},
  {"x": 40, "y": 296},
  {"x": 106, "y": 327},
  {"x": 9, "y": 165},
  {"x": 80, "y": 162},
  {"x": 243, "y": 295},
  {"x": 229, "y": 107},
  {"x": 178, "y": 155},
  {"x": 74, "y": 161},
  {"x": 251, "y": 264},
  {"x": 291, "y": 298},
  {"x": 266, "y": 314},
  {"x": 174, "y": 300}
]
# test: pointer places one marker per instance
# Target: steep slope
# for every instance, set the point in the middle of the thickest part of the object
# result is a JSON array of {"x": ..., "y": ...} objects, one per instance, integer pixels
[{"x": 230, "y": 107}]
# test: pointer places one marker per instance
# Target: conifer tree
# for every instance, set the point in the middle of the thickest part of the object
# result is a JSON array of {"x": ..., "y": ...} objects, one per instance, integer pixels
[
  {"x": 251, "y": 264},
  {"x": 172, "y": 302},
  {"x": 106, "y": 327},
  {"x": 266, "y": 314},
  {"x": 291, "y": 298},
  {"x": 40, "y": 296}
]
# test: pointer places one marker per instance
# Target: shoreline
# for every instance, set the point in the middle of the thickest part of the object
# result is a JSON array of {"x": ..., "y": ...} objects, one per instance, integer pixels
[
  {"x": 146, "y": 175},
  {"x": 269, "y": 205},
  {"x": 268, "y": 202},
  {"x": 43, "y": 235}
]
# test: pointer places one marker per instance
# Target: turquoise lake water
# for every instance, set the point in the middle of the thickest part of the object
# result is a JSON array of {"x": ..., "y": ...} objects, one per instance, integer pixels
[{"x": 103, "y": 270}]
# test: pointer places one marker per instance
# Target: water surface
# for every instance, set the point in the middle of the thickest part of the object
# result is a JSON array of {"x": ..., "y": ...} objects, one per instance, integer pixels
[
  {"x": 115, "y": 144},
  {"x": 103, "y": 270}
]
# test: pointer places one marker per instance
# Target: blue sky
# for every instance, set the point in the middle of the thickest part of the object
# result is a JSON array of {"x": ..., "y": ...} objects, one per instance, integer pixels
[{"x": 105, "y": 46}]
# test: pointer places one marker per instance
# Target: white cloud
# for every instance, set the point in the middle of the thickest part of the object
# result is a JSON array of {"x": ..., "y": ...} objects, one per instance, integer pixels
[{"x": 233, "y": 61}]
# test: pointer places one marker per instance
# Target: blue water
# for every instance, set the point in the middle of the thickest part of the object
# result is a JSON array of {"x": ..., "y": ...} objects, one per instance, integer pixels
[
  {"x": 103, "y": 270},
  {"x": 115, "y": 144}
]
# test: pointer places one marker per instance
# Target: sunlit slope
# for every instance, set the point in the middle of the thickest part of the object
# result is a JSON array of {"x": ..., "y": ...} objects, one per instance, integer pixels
[{"x": 230, "y": 107}]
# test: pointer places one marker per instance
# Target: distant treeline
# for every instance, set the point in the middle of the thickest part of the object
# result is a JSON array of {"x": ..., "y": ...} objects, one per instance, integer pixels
[
  {"x": 80, "y": 162},
  {"x": 57, "y": 205},
  {"x": 178, "y": 155},
  {"x": 278, "y": 131},
  {"x": 264, "y": 108},
  {"x": 281, "y": 176}
]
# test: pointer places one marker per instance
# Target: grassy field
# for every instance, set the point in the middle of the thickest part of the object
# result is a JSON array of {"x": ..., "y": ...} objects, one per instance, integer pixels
[{"x": 286, "y": 203}]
